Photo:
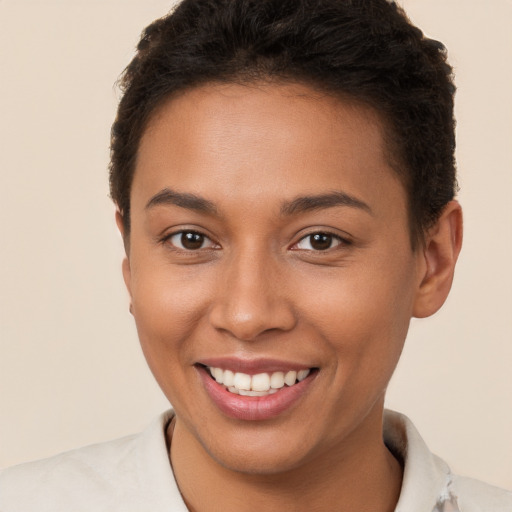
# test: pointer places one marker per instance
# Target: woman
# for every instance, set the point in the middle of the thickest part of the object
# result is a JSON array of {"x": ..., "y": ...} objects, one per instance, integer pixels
[{"x": 284, "y": 178}]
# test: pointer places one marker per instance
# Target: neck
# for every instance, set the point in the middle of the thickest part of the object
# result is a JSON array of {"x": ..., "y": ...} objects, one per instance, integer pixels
[{"x": 361, "y": 475}]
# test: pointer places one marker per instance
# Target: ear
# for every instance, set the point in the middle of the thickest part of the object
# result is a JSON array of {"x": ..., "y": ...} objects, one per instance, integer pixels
[
  {"x": 127, "y": 275},
  {"x": 438, "y": 257}
]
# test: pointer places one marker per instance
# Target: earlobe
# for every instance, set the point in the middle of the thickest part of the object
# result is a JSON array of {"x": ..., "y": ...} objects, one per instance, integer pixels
[{"x": 440, "y": 253}]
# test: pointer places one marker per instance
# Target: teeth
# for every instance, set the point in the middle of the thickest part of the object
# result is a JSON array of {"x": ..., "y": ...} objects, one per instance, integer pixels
[
  {"x": 217, "y": 374},
  {"x": 242, "y": 381},
  {"x": 253, "y": 393},
  {"x": 261, "y": 384},
  {"x": 290, "y": 378},
  {"x": 228, "y": 378},
  {"x": 302, "y": 374},
  {"x": 277, "y": 380}
]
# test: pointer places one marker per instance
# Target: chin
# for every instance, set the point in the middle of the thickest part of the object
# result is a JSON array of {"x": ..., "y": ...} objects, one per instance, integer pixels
[
  {"x": 259, "y": 451},
  {"x": 258, "y": 462}
]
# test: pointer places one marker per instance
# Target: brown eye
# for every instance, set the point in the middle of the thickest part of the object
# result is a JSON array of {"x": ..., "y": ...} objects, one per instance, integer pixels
[
  {"x": 318, "y": 242},
  {"x": 190, "y": 240}
]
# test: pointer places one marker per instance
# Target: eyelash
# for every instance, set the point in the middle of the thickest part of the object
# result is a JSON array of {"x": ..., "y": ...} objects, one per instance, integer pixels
[
  {"x": 168, "y": 239},
  {"x": 332, "y": 238},
  {"x": 341, "y": 242}
]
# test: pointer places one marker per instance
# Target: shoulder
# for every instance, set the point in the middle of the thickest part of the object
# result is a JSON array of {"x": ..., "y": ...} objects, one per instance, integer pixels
[
  {"x": 428, "y": 483},
  {"x": 476, "y": 496},
  {"x": 110, "y": 476},
  {"x": 69, "y": 478}
]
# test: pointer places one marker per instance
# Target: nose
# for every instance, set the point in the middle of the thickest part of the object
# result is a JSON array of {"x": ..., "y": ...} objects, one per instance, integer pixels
[{"x": 252, "y": 298}]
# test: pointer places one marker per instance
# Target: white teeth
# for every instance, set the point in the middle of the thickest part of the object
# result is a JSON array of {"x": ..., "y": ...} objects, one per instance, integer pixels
[
  {"x": 243, "y": 392},
  {"x": 290, "y": 378},
  {"x": 229, "y": 378},
  {"x": 302, "y": 374},
  {"x": 218, "y": 374},
  {"x": 261, "y": 384},
  {"x": 242, "y": 381},
  {"x": 277, "y": 380}
]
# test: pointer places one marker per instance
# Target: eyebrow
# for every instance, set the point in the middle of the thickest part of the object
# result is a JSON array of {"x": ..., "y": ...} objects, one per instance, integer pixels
[
  {"x": 318, "y": 202},
  {"x": 298, "y": 205},
  {"x": 184, "y": 200}
]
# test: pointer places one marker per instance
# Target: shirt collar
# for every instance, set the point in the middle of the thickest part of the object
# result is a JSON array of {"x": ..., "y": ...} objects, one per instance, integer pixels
[
  {"x": 426, "y": 485},
  {"x": 427, "y": 480}
]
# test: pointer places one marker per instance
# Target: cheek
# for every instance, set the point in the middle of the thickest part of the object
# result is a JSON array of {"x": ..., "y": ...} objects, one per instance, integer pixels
[
  {"x": 363, "y": 316},
  {"x": 168, "y": 306}
]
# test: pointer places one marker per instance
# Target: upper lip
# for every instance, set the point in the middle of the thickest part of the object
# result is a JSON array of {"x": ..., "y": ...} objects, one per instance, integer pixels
[{"x": 253, "y": 366}]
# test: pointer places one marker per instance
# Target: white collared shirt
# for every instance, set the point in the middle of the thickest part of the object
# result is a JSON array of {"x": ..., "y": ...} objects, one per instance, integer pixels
[{"x": 133, "y": 474}]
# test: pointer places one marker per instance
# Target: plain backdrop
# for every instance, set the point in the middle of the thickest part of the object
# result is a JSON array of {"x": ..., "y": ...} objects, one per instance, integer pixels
[{"x": 71, "y": 371}]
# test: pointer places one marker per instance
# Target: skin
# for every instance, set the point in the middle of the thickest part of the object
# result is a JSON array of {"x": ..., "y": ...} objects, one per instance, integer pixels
[{"x": 258, "y": 288}]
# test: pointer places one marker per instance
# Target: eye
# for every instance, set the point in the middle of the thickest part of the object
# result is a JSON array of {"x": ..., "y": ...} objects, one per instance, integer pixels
[
  {"x": 190, "y": 241},
  {"x": 318, "y": 242}
]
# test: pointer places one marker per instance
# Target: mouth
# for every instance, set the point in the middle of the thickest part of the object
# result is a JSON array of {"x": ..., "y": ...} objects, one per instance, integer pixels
[
  {"x": 260, "y": 384},
  {"x": 258, "y": 395}
]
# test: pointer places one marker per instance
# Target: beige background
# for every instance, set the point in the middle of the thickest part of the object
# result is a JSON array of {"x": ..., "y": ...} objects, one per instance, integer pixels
[{"x": 71, "y": 371}]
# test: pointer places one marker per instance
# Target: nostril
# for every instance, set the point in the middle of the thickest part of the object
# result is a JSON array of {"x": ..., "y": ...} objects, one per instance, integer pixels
[{"x": 248, "y": 321}]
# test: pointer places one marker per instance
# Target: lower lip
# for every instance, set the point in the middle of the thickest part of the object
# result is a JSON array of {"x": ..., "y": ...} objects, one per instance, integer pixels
[{"x": 254, "y": 408}]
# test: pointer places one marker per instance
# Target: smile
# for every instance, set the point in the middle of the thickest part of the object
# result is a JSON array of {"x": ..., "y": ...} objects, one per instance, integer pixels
[
  {"x": 261, "y": 384},
  {"x": 257, "y": 394}
]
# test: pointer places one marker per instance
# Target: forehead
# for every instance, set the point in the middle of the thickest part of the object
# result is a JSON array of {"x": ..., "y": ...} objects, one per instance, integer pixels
[{"x": 237, "y": 140}]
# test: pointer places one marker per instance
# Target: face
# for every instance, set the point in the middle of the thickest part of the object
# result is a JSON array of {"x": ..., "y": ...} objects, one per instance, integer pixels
[{"x": 269, "y": 242}]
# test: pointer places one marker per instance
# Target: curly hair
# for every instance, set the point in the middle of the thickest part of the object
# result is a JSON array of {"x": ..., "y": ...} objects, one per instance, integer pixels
[{"x": 367, "y": 50}]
